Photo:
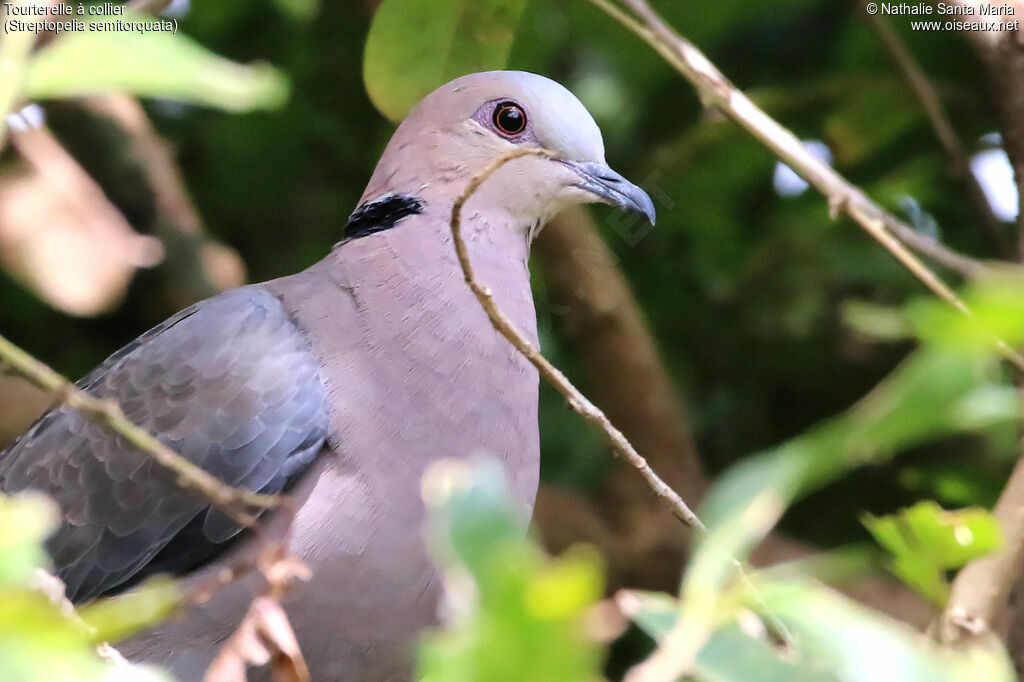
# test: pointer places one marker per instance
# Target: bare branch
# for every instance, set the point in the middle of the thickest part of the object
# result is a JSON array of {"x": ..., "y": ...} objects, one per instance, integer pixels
[
  {"x": 715, "y": 90},
  {"x": 238, "y": 504},
  {"x": 1002, "y": 54},
  {"x": 959, "y": 159},
  {"x": 577, "y": 401},
  {"x": 980, "y": 590}
]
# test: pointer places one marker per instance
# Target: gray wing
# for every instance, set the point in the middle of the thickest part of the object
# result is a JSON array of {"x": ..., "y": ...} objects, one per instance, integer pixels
[{"x": 230, "y": 384}]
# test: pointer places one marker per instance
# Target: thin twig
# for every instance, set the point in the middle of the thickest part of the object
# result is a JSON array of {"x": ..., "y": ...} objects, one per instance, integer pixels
[
  {"x": 238, "y": 504},
  {"x": 576, "y": 399},
  {"x": 959, "y": 159},
  {"x": 579, "y": 402},
  {"x": 715, "y": 91}
]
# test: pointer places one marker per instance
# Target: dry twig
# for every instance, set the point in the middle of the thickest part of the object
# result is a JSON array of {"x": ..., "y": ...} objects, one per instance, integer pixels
[
  {"x": 238, "y": 504},
  {"x": 715, "y": 90},
  {"x": 265, "y": 636},
  {"x": 577, "y": 401},
  {"x": 959, "y": 159}
]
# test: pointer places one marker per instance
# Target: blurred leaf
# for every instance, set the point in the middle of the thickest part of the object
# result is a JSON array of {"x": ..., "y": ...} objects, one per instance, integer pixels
[
  {"x": 934, "y": 393},
  {"x": 997, "y": 306},
  {"x": 37, "y": 642},
  {"x": 730, "y": 654},
  {"x": 833, "y": 638},
  {"x": 516, "y": 615},
  {"x": 116, "y": 618},
  {"x": 154, "y": 64},
  {"x": 937, "y": 391},
  {"x": 26, "y": 520},
  {"x": 300, "y": 10},
  {"x": 38, "y": 639},
  {"x": 927, "y": 541},
  {"x": 414, "y": 46},
  {"x": 835, "y": 633},
  {"x": 875, "y": 321}
]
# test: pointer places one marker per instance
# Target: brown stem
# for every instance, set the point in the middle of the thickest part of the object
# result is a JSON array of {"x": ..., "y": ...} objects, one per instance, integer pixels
[
  {"x": 600, "y": 320},
  {"x": 237, "y": 503},
  {"x": 1002, "y": 54},
  {"x": 716, "y": 91},
  {"x": 980, "y": 591},
  {"x": 577, "y": 401},
  {"x": 959, "y": 159}
]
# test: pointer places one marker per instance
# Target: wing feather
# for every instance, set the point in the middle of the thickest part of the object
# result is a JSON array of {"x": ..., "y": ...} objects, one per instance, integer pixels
[{"x": 230, "y": 384}]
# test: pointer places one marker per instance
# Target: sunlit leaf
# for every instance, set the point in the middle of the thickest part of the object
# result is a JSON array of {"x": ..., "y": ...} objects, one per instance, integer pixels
[
  {"x": 926, "y": 541},
  {"x": 832, "y": 639},
  {"x": 997, "y": 311},
  {"x": 153, "y": 64},
  {"x": 416, "y": 45},
  {"x": 25, "y": 521},
  {"x": 730, "y": 654},
  {"x": 842, "y": 636},
  {"x": 39, "y": 639},
  {"x": 516, "y": 615},
  {"x": 118, "y": 617},
  {"x": 301, "y": 10}
]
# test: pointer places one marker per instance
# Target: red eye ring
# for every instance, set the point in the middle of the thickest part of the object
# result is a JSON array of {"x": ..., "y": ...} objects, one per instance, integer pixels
[{"x": 509, "y": 118}]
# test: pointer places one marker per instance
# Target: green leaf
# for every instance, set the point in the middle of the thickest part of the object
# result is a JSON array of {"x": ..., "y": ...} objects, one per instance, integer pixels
[
  {"x": 834, "y": 633},
  {"x": 117, "y": 618},
  {"x": 833, "y": 638},
  {"x": 38, "y": 640},
  {"x": 874, "y": 321},
  {"x": 26, "y": 520},
  {"x": 152, "y": 64},
  {"x": 935, "y": 393},
  {"x": 729, "y": 655},
  {"x": 517, "y": 615},
  {"x": 926, "y": 541},
  {"x": 414, "y": 46},
  {"x": 299, "y": 10},
  {"x": 997, "y": 307}
]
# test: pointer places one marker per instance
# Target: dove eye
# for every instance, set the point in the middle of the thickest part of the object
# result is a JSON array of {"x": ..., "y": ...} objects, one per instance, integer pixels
[{"x": 509, "y": 118}]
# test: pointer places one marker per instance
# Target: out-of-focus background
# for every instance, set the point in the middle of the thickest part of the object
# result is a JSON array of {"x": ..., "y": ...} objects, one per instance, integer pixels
[{"x": 728, "y": 328}]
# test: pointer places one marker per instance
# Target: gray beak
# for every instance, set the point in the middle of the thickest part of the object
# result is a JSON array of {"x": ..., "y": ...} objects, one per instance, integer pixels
[{"x": 611, "y": 188}]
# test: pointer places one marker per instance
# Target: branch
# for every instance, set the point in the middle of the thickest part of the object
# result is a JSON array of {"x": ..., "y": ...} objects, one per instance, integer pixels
[
  {"x": 236, "y": 503},
  {"x": 195, "y": 265},
  {"x": 265, "y": 635},
  {"x": 715, "y": 90},
  {"x": 595, "y": 312},
  {"x": 577, "y": 401},
  {"x": 959, "y": 159},
  {"x": 980, "y": 590},
  {"x": 1002, "y": 54}
]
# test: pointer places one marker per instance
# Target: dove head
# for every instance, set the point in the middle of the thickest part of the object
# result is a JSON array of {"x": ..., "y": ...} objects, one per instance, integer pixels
[{"x": 459, "y": 129}]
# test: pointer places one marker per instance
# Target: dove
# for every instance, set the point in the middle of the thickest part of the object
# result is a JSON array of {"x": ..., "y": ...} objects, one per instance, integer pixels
[{"x": 338, "y": 386}]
